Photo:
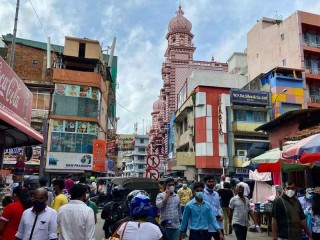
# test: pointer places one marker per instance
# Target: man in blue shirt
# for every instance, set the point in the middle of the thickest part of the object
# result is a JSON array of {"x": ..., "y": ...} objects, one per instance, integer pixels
[
  {"x": 199, "y": 215},
  {"x": 213, "y": 198}
]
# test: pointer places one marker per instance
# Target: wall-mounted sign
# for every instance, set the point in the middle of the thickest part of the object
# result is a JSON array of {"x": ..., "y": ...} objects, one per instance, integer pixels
[
  {"x": 60, "y": 160},
  {"x": 99, "y": 155},
  {"x": 126, "y": 142},
  {"x": 15, "y": 97},
  {"x": 250, "y": 97}
]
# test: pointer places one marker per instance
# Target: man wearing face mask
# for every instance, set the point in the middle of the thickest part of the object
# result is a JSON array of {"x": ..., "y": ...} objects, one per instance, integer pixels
[
  {"x": 199, "y": 216},
  {"x": 170, "y": 213},
  {"x": 239, "y": 209},
  {"x": 288, "y": 218},
  {"x": 40, "y": 221},
  {"x": 185, "y": 195},
  {"x": 306, "y": 200},
  {"x": 76, "y": 219},
  {"x": 213, "y": 198}
]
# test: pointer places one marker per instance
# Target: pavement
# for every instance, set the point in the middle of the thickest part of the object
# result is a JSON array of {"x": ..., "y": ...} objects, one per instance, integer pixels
[{"x": 250, "y": 236}]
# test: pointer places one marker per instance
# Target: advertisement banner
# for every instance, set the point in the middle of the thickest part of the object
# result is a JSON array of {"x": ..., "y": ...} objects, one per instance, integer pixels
[
  {"x": 72, "y": 161},
  {"x": 15, "y": 97},
  {"x": 126, "y": 142},
  {"x": 11, "y": 155},
  {"x": 99, "y": 155},
  {"x": 250, "y": 97}
]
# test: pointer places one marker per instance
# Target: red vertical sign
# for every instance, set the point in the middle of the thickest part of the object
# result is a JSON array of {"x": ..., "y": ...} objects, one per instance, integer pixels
[{"x": 99, "y": 155}]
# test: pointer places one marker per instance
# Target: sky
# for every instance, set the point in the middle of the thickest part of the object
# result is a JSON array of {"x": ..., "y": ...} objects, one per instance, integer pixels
[{"x": 140, "y": 27}]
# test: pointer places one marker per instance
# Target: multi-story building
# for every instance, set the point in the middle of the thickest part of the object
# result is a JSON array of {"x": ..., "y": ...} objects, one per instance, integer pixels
[
  {"x": 292, "y": 43},
  {"x": 135, "y": 161},
  {"x": 79, "y": 106},
  {"x": 177, "y": 67}
]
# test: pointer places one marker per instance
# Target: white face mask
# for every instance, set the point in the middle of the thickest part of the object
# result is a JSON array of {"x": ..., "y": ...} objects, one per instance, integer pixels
[
  {"x": 290, "y": 193},
  {"x": 171, "y": 189}
]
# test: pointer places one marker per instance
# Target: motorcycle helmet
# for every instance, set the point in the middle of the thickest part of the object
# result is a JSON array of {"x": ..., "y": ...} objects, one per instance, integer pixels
[
  {"x": 134, "y": 193},
  {"x": 92, "y": 179},
  {"x": 140, "y": 206}
]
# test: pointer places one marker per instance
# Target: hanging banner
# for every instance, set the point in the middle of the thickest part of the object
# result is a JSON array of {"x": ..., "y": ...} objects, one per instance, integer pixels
[
  {"x": 99, "y": 155},
  {"x": 72, "y": 161}
]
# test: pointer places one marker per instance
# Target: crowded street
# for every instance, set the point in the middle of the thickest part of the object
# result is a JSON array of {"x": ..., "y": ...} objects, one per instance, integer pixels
[{"x": 159, "y": 120}]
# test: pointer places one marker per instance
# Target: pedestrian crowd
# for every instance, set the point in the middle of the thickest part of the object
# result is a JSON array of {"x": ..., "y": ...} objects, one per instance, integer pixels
[
  {"x": 63, "y": 212},
  {"x": 204, "y": 210}
]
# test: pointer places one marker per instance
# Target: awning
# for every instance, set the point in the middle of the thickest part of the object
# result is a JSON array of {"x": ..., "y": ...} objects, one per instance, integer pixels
[{"x": 16, "y": 134}]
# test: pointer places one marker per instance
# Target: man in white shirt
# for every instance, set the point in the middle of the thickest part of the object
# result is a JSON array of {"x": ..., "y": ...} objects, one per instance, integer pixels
[
  {"x": 245, "y": 186},
  {"x": 40, "y": 221},
  {"x": 76, "y": 219}
]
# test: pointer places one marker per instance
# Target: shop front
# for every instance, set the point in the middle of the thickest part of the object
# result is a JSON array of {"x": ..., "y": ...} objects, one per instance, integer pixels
[{"x": 15, "y": 115}]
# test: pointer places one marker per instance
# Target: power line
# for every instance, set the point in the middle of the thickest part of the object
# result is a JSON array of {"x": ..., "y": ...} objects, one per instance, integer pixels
[
  {"x": 137, "y": 114},
  {"x": 38, "y": 17}
]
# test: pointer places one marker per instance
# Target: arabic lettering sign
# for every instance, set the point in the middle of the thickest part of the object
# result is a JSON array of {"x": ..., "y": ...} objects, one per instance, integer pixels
[
  {"x": 15, "y": 97},
  {"x": 242, "y": 96},
  {"x": 99, "y": 155},
  {"x": 60, "y": 160}
]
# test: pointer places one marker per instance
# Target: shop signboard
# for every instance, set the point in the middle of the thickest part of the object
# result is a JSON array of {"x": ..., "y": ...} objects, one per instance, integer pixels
[
  {"x": 99, "y": 155},
  {"x": 249, "y": 97},
  {"x": 126, "y": 142},
  {"x": 69, "y": 161},
  {"x": 15, "y": 97}
]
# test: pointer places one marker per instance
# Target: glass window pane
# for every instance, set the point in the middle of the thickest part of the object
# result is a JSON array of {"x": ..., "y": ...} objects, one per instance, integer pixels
[
  {"x": 40, "y": 101},
  {"x": 34, "y": 101},
  {"x": 46, "y": 102}
]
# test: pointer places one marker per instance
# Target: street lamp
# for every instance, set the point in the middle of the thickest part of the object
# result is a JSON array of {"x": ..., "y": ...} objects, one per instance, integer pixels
[{"x": 275, "y": 102}]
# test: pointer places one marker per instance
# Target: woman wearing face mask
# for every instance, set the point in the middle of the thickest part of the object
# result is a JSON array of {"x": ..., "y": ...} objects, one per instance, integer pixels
[
  {"x": 198, "y": 215},
  {"x": 12, "y": 214}
]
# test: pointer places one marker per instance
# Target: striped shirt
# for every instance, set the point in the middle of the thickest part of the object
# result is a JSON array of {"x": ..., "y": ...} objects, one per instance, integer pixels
[
  {"x": 171, "y": 210},
  {"x": 240, "y": 211}
]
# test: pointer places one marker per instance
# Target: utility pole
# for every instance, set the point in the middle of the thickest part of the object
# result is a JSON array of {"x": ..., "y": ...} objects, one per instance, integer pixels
[{"x": 13, "y": 43}]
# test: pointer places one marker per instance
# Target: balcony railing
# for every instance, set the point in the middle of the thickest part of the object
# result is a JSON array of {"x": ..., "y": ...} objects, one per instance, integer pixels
[
  {"x": 314, "y": 98},
  {"x": 312, "y": 43},
  {"x": 312, "y": 70}
]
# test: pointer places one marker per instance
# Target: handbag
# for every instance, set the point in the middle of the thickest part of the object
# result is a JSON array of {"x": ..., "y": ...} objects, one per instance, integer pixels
[{"x": 115, "y": 233}]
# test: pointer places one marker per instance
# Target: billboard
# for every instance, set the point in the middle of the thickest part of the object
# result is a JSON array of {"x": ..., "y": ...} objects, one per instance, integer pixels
[
  {"x": 250, "y": 97},
  {"x": 72, "y": 161},
  {"x": 15, "y": 97},
  {"x": 126, "y": 142}
]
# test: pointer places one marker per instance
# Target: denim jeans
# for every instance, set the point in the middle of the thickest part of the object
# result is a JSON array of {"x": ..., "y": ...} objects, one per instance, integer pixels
[
  {"x": 173, "y": 233},
  {"x": 240, "y": 231}
]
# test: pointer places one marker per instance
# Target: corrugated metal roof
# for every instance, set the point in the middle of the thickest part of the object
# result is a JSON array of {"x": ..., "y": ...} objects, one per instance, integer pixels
[{"x": 30, "y": 43}]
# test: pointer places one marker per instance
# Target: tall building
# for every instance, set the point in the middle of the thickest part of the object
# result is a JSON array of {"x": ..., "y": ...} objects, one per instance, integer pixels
[
  {"x": 178, "y": 66},
  {"x": 135, "y": 159},
  {"x": 76, "y": 94},
  {"x": 292, "y": 45}
]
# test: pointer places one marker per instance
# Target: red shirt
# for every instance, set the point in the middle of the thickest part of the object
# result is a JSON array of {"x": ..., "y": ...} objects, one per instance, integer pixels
[{"x": 12, "y": 215}]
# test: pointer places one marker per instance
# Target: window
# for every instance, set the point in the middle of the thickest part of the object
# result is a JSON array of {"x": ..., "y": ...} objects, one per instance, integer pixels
[
  {"x": 181, "y": 128},
  {"x": 284, "y": 62},
  {"x": 141, "y": 167},
  {"x": 259, "y": 116},
  {"x": 141, "y": 140},
  {"x": 141, "y": 158},
  {"x": 41, "y": 101},
  {"x": 34, "y": 62},
  {"x": 185, "y": 123},
  {"x": 141, "y": 149},
  {"x": 75, "y": 100},
  {"x": 240, "y": 115},
  {"x": 282, "y": 36},
  {"x": 82, "y": 50}
]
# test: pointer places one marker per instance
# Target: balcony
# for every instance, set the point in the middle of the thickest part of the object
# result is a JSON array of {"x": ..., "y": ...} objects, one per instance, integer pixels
[
  {"x": 184, "y": 138},
  {"x": 250, "y": 127},
  {"x": 185, "y": 159},
  {"x": 78, "y": 78}
]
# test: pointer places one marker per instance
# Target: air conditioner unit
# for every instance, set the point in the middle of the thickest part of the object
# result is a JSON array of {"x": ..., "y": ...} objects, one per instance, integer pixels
[{"x": 242, "y": 153}]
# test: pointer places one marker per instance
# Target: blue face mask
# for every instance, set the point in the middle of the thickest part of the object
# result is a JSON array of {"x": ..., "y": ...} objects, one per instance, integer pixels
[
  {"x": 199, "y": 195},
  {"x": 309, "y": 196}
]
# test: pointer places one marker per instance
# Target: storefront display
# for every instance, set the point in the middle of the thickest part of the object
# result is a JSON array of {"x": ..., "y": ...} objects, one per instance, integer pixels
[{"x": 72, "y": 136}]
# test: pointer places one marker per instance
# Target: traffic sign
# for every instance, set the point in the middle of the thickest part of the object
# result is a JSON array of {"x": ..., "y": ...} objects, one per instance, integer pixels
[
  {"x": 152, "y": 173},
  {"x": 153, "y": 161}
]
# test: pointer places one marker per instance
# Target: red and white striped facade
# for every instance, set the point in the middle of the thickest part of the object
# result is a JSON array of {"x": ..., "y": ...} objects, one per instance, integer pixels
[{"x": 177, "y": 67}]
